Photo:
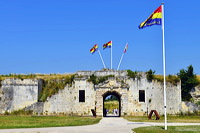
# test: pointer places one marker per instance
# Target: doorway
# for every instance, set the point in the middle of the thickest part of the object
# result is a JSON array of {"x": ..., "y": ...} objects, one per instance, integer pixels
[{"x": 111, "y": 104}]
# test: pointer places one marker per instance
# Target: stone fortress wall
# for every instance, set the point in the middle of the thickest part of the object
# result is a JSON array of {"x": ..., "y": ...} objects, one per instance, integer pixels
[{"x": 18, "y": 94}]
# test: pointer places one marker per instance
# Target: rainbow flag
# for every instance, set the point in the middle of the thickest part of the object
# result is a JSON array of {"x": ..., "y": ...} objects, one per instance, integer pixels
[
  {"x": 107, "y": 45},
  {"x": 154, "y": 19},
  {"x": 94, "y": 49},
  {"x": 126, "y": 48}
]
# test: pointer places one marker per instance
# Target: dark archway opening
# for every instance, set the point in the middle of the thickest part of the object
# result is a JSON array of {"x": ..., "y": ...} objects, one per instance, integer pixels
[{"x": 111, "y": 104}]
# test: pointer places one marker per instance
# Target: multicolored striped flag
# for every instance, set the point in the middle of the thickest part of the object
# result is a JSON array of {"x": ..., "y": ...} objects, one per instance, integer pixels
[
  {"x": 107, "y": 45},
  {"x": 154, "y": 19},
  {"x": 126, "y": 48},
  {"x": 94, "y": 49}
]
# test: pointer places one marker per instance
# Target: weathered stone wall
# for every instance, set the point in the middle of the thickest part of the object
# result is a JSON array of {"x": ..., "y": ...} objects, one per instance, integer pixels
[
  {"x": 37, "y": 108},
  {"x": 119, "y": 73},
  {"x": 154, "y": 97},
  {"x": 84, "y": 108},
  {"x": 189, "y": 107},
  {"x": 60, "y": 103},
  {"x": 66, "y": 101},
  {"x": 130, "y": 105},
  {"x": 16, "y": 94},
  {"x": 195, "y": 93}
]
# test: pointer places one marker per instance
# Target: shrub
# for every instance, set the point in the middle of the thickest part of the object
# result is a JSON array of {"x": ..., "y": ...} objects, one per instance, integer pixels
[
  {"x": 97, "y": 80},
  {"x": 198, "y": 102},
  {"x": 93, "y": 79},
  {"x": 22, "y": 112},
  {"x": 132, "y": 74},
  {"x": 150, "y": 75},
  {"x": 6, "y": 113}
]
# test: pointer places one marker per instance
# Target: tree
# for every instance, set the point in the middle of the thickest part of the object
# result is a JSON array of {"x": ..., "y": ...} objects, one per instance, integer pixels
[
  {"x": 188, "y": 82},
  {"x": 150, "y": 75}
]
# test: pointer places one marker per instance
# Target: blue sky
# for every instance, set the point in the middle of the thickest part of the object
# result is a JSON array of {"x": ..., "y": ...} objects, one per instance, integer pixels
[{"x": 55, "y": 36}]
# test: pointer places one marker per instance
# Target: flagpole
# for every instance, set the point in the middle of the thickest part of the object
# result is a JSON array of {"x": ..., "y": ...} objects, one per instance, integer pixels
[
  {"x": 164, "y": 64},
  {"x": 120, "y": 61},
  {"x": 101, "y": 59},
  {"x": 111, "y": 55}
]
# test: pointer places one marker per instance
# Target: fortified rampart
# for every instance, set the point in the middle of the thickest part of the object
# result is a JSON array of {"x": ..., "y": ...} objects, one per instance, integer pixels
[
  {"x": 137, "y": 96},
  {"x": 16, "y": 94}
]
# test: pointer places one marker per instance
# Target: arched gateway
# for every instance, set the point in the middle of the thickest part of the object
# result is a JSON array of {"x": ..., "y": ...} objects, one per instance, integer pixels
[
  {"x": 111, "y": 87},
  {"x": 117, "y": 110}
]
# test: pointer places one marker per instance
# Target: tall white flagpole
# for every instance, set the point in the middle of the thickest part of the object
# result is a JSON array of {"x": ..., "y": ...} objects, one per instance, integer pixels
[
  {"x": 164, "y": 64},
  {"x": 120, "y": 61},
  {"x": 101, "y": 59},
  {"x": 125, "y": 49},
  {"x": 111, "y": 55}
]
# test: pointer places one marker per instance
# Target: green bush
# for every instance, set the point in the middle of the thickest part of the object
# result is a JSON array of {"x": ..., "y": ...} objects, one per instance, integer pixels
[
  {"x": 6, "y": 113},
  {"x": 150, "y": 75},
  {"x": 93, "y": 79},
  {"x": 198, "y": 102},
  {"x": 132, "y": 74},
  {"x": 97, "y": 80},
  {"x": 21, "y": 112}
]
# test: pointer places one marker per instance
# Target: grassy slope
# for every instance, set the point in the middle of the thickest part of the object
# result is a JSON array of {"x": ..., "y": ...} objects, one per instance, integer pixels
[{"x": 44, "y": 121}]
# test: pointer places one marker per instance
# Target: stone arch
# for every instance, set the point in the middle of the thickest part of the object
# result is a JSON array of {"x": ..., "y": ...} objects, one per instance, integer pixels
[{"x": 115, "y": 93}]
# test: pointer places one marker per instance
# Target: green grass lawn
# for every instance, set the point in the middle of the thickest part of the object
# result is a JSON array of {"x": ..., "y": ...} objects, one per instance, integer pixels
[
  {"x": 7, "y": 122},
  {"x": 110, "y": 105},
  {"x": 170, "y": 119},
  {"x": 170, "y": 129}
]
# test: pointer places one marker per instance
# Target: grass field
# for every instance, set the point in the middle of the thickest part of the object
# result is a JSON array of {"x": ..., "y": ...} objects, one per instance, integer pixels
[
  {"x": 170, "y": 129},
  {"x": 7, "y": 122},
  {"x": 110, "y": 105},
  {"x": 170, "y": 119}
]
